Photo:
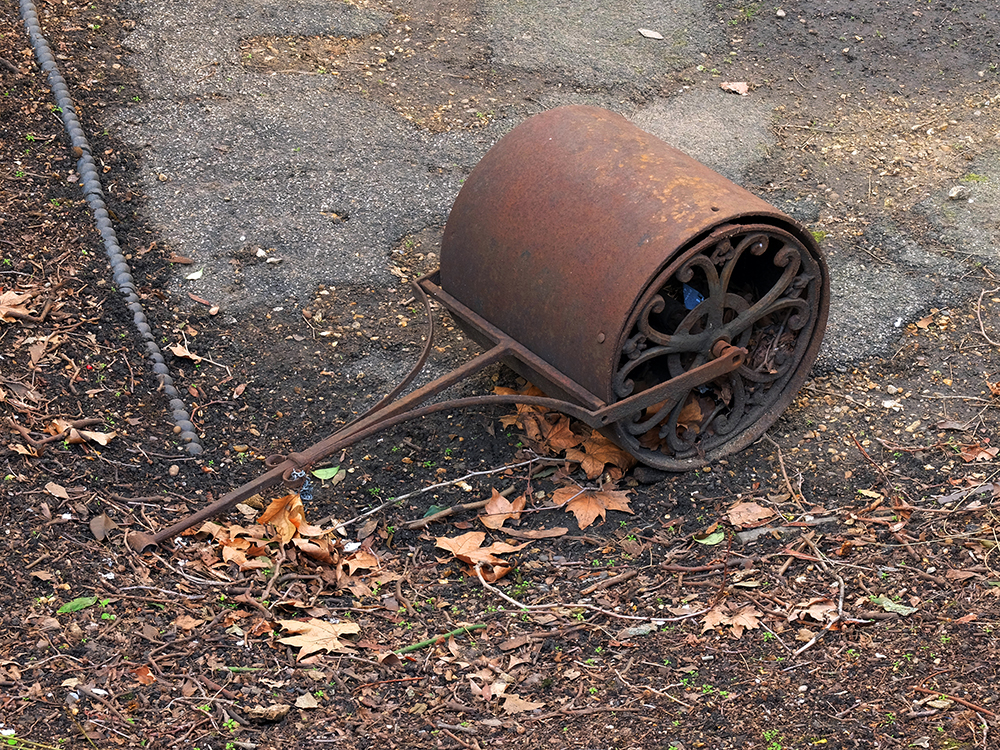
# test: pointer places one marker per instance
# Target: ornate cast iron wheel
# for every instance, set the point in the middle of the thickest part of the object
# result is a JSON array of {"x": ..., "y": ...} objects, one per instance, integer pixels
[{"x": 754, "y": 286}]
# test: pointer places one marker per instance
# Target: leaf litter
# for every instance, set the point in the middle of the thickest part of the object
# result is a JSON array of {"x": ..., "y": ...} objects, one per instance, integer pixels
[{"x": 550, "y": 661}]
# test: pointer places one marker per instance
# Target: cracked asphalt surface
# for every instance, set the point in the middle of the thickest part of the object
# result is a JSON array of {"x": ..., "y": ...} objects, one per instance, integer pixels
[{"x": 327, "y": 181}]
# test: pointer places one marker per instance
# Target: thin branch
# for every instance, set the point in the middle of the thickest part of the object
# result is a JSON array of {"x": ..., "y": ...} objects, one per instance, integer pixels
[
  {"x": 439, "y": 638},
  {"x": 962, "y": 701},
  {"x": 579, "y": 605},
  {"x": 431, "y": 488},
  {"x": 979, "y": 314}
]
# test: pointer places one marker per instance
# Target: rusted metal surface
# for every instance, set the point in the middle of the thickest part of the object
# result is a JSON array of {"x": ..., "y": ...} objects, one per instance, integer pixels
[
  {"x": 579, "y": 236},
  {"x": 650, "y": 297}
]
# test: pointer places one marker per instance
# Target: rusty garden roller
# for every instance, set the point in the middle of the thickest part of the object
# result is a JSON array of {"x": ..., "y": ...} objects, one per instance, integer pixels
[
  {"x": 646, "y": 295},
  {"x": 624, "y": 267}
]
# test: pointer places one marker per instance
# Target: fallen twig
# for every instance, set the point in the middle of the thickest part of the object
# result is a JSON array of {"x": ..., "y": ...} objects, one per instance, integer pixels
[
  {"x": 653, "y": 690},
  {"x": 386, "y": 682},
  {"x": 430, "y": 488},
  {"x": 796, "y": 496},
  {"x": 580, "y": 605},
  {"x": 807, "y": 538},
  {"x": 962, "y": 701},
  {"x": 274, "y": 575},
  {"x": 80, "y": 424},
  {"x": 979, "y": 314},
  {"x": 584, "y": 712},
  {"x": 439, "y": 638},
  {"x": 732, "y": 563},
  {"x": 608, "y": 583}
]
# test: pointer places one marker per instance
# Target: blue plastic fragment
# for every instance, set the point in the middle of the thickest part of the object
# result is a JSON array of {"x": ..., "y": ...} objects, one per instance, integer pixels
[{"x": 692, "y": 297}]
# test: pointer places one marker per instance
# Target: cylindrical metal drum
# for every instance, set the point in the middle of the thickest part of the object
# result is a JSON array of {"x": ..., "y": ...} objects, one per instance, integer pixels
[{"x": 621, "y": 262}]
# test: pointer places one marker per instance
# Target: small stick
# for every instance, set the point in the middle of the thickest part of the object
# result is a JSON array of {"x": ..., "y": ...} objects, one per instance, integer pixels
[
  {"x": 796, "y": 496},
  {"x": 979, "y": 314},
  {"x": 274, "y": 576},
  {"x": 421, "y": 523},
  {"x": 608, "y": 583},
  {"x": 386, "y": 682},
  {"x": 962, "y": 701},
  {"x": 408, "y": 495},
  {"x": 579, "y": 605},
  {"x": 654, "y": 690},
  {"x": 731, "y": 563},
  {"x": 402, "y": 599},
  {"x": 439, "y": 638}
]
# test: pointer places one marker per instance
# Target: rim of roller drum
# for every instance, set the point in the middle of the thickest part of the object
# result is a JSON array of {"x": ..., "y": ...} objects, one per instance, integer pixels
[{"x": 754, "y": 286}]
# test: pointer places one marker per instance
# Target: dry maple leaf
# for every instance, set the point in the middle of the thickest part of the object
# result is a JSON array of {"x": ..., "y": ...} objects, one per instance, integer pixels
[
  {"x": 515, "y": 704},
  {"x": 745, "y": 617},
  {"x": 978, "y": 453},
  {"x": 737, "y": 620},
  {"x": 596, "y": 452},
  {"x": 820, "y": 609},
  {"x": 560, "y": 435},
  {"x": 180, "y": 350},
  {"x": 550, "y": 432},
  {"x": 234, "y": 551},
  {"x": 589, "y": 505},
  {"x": 499, "y": 509},
  {"x": 748, "y": 514},
  {"x": 468, "y": 548},
  {"x": 690, "y": 417},
  {"x": 363, "y": 558},
  {"x": 288, "y": 517},
  {"x": 522, "y": 409},
  {"x": 318, "y": 549},
  {"x": 12, "y": 302},
  {"x": 714, "y": 618},
  {"x": 317, "y": 635}
]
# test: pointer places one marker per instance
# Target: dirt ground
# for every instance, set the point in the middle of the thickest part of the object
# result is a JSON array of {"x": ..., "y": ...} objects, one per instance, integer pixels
[{"x": 830, "y": 586}]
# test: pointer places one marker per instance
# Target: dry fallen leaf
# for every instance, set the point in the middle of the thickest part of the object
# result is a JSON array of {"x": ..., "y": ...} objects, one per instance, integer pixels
[
  {"x": 515, "y": 704},
  {"x": 499, "y": 509},
  {"x": 57, "y": 490},
  {"x": 735, "y": 87},
  {"x": 12, "y": 302},
  {"x": 690, "y": 418},
  {"x": 978, "y": 453},
  {"x": 288, "y": 517},
  {"x": 589, "y": 505},
  {"x": 738, "y": 620},
  {"x": 306, "y": 701},
  {"x": 274, "y": 712},
  {"x": 468, "y": 548},
  {"x": 187, "y": 622},
  {"x": 101, "y": 525},
  {"x": 180, "y": 350},
  {"x": 317, "y": 635},
  {"x": 143, "y": 675},
  {"x": 748, "y": 514},
  {"x": 362, "y": 559},
  {"x": 596, "y": 452},
  {"x": 101, "y": 438},
  {"x": 537, "y": 533},
  {"x": 820, "y": 609},
  {"x": 745, "y": 617}
]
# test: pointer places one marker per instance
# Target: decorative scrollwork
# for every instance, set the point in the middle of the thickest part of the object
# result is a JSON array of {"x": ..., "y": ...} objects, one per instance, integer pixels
[{"x": 756, "y": 288}]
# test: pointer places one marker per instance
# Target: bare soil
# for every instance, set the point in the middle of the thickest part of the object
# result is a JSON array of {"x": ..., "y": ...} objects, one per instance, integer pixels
[{"x": 831, "y": 586}]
